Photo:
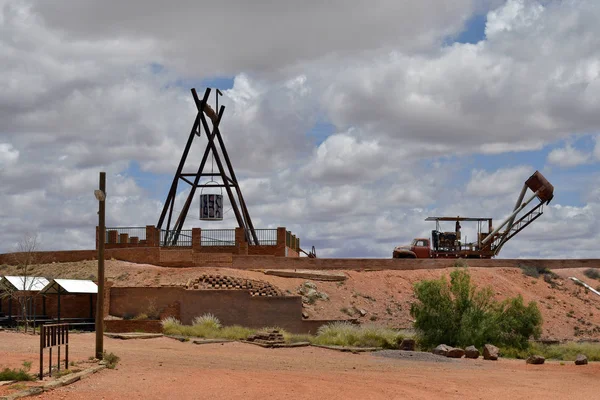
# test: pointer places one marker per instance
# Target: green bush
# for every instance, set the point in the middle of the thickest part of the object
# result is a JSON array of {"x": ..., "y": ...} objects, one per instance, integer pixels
[
  {"x": 208, "y": 321},
  {"x": 205, "y": 328},
  {"x": 458, "y": 314},
  {"x": 346, "y": 334},
  {"x": 592, "y": 273},
  {"x": 16, "y": 375},
  {"x": 111, "y": 360},
  {"x": 561, "y": 352}
]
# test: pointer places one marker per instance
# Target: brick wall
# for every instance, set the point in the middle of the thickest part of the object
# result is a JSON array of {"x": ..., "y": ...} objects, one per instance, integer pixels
[
  {"x": 124, "y": 326},
  {"x": 230, "y": 306}
]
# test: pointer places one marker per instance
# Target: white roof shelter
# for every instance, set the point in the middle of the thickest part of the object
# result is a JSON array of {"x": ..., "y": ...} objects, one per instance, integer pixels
[
  {"x": 70, "y": 286},
  {"x": 27, "y": 283}
]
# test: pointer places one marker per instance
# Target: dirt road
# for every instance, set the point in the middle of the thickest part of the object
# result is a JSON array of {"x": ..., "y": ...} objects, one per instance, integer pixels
[{"x": 167, "y": 369}]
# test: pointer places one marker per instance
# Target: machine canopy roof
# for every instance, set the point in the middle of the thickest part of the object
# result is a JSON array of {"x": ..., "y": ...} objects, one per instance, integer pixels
[
  {"x": 456, "y": 219},
  {"x": 28, "y": 283},
  {"x": 72, "y": 286}
]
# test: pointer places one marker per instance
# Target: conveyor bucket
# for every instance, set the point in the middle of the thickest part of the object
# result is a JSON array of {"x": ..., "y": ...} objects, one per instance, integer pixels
[{"x": 537, "y": 182}]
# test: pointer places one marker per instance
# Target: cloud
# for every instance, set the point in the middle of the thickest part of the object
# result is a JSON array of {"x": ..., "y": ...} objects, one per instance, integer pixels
[
  {"x": 8, "y": 155},
  {"x": 498, "y": 183},
  {"x": 201, "y": 38},
  {"x": 104, "y": 87},
  {"x": 568, "y": 156}
]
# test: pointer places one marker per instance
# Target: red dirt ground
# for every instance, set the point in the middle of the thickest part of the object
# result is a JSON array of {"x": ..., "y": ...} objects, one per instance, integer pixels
[
  {"x": 167, "y": 369},
  {"x": 384, "y": 295}
]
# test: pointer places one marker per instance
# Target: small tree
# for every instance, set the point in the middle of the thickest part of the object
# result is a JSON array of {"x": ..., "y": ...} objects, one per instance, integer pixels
[
  {"x": 459, "y": 314},
  {"x": 24, "y": 259}
]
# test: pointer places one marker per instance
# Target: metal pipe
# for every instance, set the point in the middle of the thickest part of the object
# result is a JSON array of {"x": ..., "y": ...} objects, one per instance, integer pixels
[
  {"x": 488, "y": 237},
  {"x": 519, "y": 200}
]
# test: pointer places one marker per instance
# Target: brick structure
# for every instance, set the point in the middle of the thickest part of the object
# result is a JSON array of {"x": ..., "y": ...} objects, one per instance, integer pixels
[
  {"x": 230, "y": 306},
  {"x": 124, "y": 326}
]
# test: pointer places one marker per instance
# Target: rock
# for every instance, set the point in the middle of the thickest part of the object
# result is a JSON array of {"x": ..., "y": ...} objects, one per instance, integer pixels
[
  {"x": 581, "y": 359},
  {"x": 490, "y": 352},
  {"x": 471, "y": 352},
  {"x": 535, "y": 359},
  {"x": 441, "y": 350},
  {"x": 362, "y": 312},
  {"x": 304, "y": 315},
  {"x": 407, "y": 345},
  {"x": 455, "y": 352}
]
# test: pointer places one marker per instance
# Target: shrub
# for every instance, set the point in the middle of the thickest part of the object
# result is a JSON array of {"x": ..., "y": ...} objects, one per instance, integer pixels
[
  {"x": 346, "y": 334},
  {"x": 110, "y": 359},
  {"x": 21, "y": 374},
  {"x": 592, "y": 273},
  {"x": 208, "y": 321},
  {"x": 141, "y": 316},
  {"x": 458, "y": 314},
  {"x": 561, "y": 352}
]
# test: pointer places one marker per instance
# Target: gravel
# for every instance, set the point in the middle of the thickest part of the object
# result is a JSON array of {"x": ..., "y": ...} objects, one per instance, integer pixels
[{"x": 413, "y": 355}]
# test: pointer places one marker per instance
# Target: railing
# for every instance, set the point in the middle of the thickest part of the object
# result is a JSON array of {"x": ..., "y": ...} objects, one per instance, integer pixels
[
  {"x": 292, "y": 241},
  {"x": 218, "y": 237},
  {"x": 51, "y": 336},
  {"x": 132, "y": 232},
  {"x": 171, "y": 238},
  {"x": 266, "y": 237}
]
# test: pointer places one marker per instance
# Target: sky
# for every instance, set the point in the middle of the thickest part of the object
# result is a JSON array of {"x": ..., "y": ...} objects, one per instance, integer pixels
[{"x": 348, "y": 123}]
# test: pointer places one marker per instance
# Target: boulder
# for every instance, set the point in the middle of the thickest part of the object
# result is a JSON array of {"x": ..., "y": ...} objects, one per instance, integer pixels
[
  {"x": 455, "y": 352},
  {"x": 581, "y": 359},
  {"x": 535, "y": 359},
  {"x": 441, "y": 350},
  {"x": 490, "y": 352},
  {"x": 407, "y": 345},
  {"x": 471, "y": 352},
  {"x": 362, "y": 312}
]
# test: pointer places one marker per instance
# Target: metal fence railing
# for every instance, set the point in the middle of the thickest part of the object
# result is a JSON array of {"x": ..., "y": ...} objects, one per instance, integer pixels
[
  {"x": 266, "y": 237},
  {"x": 292, "y": 241},
  {"x": 218, "y": 237},
  {"x": 170, "y": 238},
  {"x": 113, "y": 235}
]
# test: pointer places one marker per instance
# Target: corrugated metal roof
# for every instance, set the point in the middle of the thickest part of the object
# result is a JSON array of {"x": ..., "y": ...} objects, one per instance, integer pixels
[
  {"x": 71, "y": 286},
  {"x": 32, "y": 283}
]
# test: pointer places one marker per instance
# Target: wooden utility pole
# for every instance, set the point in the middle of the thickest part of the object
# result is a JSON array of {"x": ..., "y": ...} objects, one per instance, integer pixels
[{"x": 101, "y": 196}]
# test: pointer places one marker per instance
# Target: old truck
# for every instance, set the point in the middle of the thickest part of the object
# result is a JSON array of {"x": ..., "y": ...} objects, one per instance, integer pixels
[{"x": 489, "y": 240}]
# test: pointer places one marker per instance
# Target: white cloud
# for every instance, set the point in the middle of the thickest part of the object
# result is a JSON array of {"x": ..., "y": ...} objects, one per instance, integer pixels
[
  {"x": 8, "y": 155},
  {"x": 84, "y": 90},
  {"x": 568, "y": 156},
  {"x": 498, "y": 183}
]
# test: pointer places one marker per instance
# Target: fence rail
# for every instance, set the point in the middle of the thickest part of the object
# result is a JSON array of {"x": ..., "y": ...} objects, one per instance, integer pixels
[
  {"x": 266, "y": 237},
  {"x": 136, "y": 233},
  {"x": 218, "y": 237},
  {"x": 170, "y": 238}
]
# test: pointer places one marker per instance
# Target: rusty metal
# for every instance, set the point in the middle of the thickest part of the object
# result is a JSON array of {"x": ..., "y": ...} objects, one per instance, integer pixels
[
  {"x": 53, "y": 336},
  {"x": 488, "y": 244}
]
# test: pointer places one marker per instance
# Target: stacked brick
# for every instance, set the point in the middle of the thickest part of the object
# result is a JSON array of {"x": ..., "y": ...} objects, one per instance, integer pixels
[
  {"x": 268, "y": 338},
  {"x": 256, "y": 288}
]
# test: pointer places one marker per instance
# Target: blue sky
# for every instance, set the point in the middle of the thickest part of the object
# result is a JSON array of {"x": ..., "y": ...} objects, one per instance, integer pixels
[{"x": 348, "y": 136}]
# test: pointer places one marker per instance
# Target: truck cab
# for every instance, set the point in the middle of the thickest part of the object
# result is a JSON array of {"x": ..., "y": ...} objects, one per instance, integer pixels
[{"x": 419, "y": 248}]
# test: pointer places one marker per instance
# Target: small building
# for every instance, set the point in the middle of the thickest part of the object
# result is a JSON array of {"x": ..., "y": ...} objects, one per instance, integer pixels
[
  {"x": 70, "y": 300},
  {"x": 16, "y": 289}
]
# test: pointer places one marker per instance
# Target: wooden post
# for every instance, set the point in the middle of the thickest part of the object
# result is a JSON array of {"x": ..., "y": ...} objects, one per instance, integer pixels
[{"x": 100, "y": 304}]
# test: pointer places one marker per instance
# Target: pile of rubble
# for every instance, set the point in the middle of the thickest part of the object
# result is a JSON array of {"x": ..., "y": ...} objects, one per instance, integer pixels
[
  {"x": 267, "y": 338},
  {"x": 256, "y": 288}
]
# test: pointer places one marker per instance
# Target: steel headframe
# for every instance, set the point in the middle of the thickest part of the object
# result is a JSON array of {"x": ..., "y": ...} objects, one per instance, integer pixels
[{"x": 225, "y": 172}]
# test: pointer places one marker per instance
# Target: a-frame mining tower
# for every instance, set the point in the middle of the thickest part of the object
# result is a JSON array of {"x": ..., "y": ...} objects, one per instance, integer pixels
[{"x": 225, "y": 173}]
